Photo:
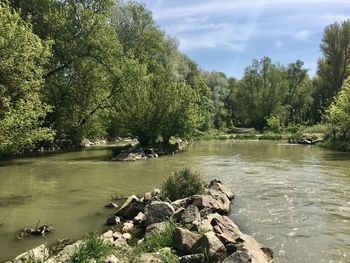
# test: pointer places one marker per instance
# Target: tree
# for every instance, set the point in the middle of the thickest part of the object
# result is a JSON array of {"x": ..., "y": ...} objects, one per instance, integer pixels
[
  {"x": 22, "y": 56},
  {"x": 83, "y": 73},
  {"x": 333, "y": 68},
  {"x": 338, "y": 114}
]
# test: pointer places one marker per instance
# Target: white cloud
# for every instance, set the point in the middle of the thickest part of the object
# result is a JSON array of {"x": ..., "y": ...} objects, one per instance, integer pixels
[{"x": 302, "y": 35}]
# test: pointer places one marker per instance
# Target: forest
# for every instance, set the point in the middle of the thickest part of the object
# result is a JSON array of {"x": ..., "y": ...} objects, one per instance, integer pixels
[{"x": 84, "y": 69}]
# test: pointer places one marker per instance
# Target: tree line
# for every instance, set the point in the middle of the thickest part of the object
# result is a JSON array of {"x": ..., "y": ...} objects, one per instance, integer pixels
[{"x": 75, "y": 69}]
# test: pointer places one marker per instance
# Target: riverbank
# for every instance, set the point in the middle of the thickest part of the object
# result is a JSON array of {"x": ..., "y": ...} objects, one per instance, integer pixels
[{"x": 191, "y": 229}]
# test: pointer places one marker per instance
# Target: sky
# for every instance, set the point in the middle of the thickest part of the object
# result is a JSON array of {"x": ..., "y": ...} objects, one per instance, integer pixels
[{"x": 226, "y": 35}]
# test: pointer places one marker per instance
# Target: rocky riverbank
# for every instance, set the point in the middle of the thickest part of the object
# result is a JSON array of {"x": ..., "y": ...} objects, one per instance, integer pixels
[
  {"x": 134, "y": 152},
  {"x": 201, "y": 231}
]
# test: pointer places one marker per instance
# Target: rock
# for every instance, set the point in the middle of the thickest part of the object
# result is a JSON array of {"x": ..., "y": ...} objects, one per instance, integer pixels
[
  {"x": 181, "y": 203},
  {"x": 217, "y": 185},
  {"x": 178, "y": 213},
  {"x": 210, "y": 243},
  {"x": 140, "y": 241},
  {"x": 217, "y": 203},
  {"x": 238, "y": 257},
  {"x": 183, "y": 239},
  {"x": 148, "y": 258},
  {"x": 256, "y": 251},
  {"x": 156, "y": 227},
  {"x": 39, "y": 253},
  {"x": 67, "y": 251},
  {"x": 190, "y": 214},
  {"x": 225, "y": 229},
  {"x": 127, "y": 227},
  {"x": 111, "y": 205},
  {"x": 195, "y": 258},
  {"x": 139, "y": 218},
  {"x": 117, "y": 235},
  {"x": 113, "y": 220},
  {"x": 112, "y": 259},
  {"x": 158, "y": 211},
  {"x": 205, "y": 212},
  {"x": 203, "y": 225},
  {"x": 127, "y": 236},
  {"x": 120, "y": 243},
  {"x": 230, "y": 249},
  {"x": 108, "y": 234},
  {"x": 131, "y": 207}
]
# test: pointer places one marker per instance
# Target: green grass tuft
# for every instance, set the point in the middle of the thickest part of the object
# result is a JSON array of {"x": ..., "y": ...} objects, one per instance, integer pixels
[
  {"x": 182, "y": 184},
  {"x": 91, "y": 249}
]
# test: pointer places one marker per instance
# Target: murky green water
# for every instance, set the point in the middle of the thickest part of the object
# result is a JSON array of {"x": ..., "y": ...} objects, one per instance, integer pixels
[{"x": 293, "y": 198}]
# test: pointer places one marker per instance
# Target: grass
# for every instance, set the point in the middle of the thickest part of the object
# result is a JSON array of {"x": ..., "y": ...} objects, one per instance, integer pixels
[
  {"x": 271, "y": 136},
  {"x": 341, "y": 145},
  {"x": 153, "y": 243},
  {"x": 91, "y": 249},
  {"x": 181, "y": 184}
]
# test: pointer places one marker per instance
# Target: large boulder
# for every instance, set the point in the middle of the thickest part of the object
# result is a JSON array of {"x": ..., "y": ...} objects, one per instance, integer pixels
[
  {"x": 131, "y": 207},
  {"x": 225, "y": 229},
  {"x": 158, "y": 211},
  {"x": 215, "y": 200},
  {"x": 181, "y": 203},
  {"x": 190, "y": 214},
  {"x": 217, "y": 185},
  {"x": 183, "y": 239},
  {"x": 211, "y": 245},
  {"x": 257, "y": 252}
]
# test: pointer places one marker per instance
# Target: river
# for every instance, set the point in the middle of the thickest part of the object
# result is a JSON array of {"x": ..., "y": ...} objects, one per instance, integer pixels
[{"x": 294, "y": 199}]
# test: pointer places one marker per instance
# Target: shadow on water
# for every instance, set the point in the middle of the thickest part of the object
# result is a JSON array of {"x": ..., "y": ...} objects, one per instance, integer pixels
[{"x": 14, "y": 200}]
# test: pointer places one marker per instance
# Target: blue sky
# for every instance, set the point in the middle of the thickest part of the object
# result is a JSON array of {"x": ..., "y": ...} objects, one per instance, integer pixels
[{"x": 225, "y": 35}]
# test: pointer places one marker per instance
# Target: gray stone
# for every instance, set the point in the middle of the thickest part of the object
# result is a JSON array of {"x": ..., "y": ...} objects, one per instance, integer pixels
[
  {"x": 111, "y": 205},
  {"x": 112, "y": 259},
  {"x": 156, "y": 227},
  {"x": 139, "y": 218},
  {"x": 190, "y": 214},
  {"x": 195, "y": 258},
  {"x": 216, "y": 201},
  {"x": 39, "y": 253},
  {"x": 181, "y": 203},
  {"x": 113, "y": 220},
  {"x": 217, "y": 185},
  {"x": 131, "y": 207},
  {"x": 127, "y": 227},
  {"x": 158, "y": 211},
  {"x": 238, "y": 257},
  {"x": 178, "y": 214},
  {"x": 210, "y": 243},
  {"x": 183, "y": 239},
  {"x": 148, "y": 258}
]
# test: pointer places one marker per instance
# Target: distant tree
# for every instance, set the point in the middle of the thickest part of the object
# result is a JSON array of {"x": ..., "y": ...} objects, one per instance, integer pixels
[
  {"x": 22, "y": 56},
  {"x": 333, "y": 68}
]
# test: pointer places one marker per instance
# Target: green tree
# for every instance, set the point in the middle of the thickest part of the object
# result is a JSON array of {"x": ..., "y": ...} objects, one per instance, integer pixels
[
  {"x": 83, "y": 73},
  {"x": 338, "y": 114},
  {"x": 22, "y": 55},
  {"x": 333, "y": 68}
]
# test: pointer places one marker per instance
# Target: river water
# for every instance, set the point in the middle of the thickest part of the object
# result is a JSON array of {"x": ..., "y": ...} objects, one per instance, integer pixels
[{"x": 294, "y": 199}]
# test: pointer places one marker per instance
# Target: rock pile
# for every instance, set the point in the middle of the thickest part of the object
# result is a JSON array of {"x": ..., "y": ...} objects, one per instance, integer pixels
[{"x": 203, "y": 233}]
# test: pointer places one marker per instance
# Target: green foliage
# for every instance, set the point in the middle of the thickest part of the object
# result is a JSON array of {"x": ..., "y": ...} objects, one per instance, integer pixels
[
  {"x": 22, "y": 56},
  {"x": 338, "y": 114},
  {"x": 181, "y": 184},
  {"x": 333, "y": 68},
  {"x": 153, "y": 243},
  {"x": 275, "y": 124},
  {"x": 92, "y": 248}
]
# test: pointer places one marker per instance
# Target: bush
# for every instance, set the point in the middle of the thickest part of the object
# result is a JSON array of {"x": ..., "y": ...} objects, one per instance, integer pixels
[
  {"x": 91, "y": 249},
  {"x": 182, "y": 184},
  {"x": 275, "y": 124}
]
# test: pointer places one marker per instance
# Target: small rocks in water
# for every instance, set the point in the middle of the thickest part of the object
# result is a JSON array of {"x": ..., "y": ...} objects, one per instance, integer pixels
[
  {"x": 128, "y": 226},
  {"x": 113, "y": 220},
  {"x": 37, "y": 231},
  {"x": 111, "y": 205}
]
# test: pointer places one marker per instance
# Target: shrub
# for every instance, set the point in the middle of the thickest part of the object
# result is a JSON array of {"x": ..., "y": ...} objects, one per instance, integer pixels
[
  {"x": 91, "y": 249},
  {"x": 275, "y": 124},
  {"x": 182, "y": 184}
]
